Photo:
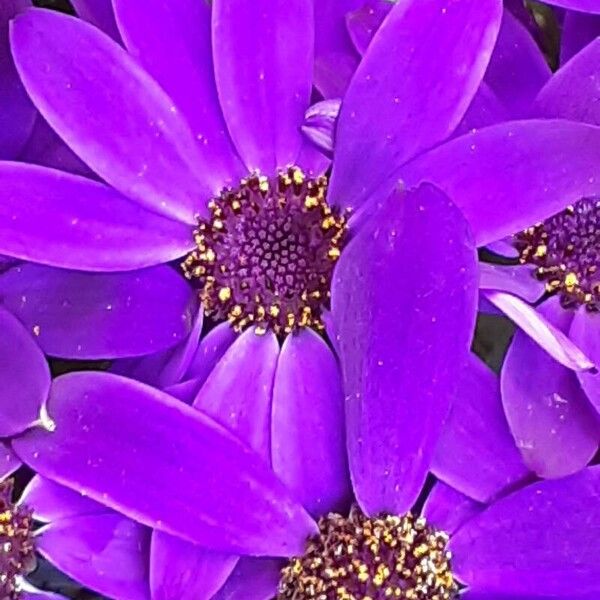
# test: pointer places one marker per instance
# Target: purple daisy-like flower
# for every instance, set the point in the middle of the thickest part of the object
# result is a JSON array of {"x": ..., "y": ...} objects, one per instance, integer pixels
[
  {"x": 533, "y": 541},
  {"x": 553, "y": 422}
]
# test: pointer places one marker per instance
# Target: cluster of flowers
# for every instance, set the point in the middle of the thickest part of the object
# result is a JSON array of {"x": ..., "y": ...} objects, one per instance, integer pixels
[{"x": 269, "y": 226}]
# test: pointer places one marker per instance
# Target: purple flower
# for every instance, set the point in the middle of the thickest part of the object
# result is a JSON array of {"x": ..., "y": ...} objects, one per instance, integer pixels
[
  {"x": 140, "y": 460},
  {"x": 553, "y": 422}
]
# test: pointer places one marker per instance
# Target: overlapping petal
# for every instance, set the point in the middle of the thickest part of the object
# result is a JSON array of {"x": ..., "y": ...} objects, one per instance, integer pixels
[
  {"x": 417, "y": 78},
  {"x": 117, "y": 440},
  {"x": 403, "y": 300},
  {"x": 61, "y": 220},
  {"x": 100, "y": 315},
  {"x": 508, "y": 176},
  {"x": 263, "y": 82},
  {"x": 110, "y": 112}
]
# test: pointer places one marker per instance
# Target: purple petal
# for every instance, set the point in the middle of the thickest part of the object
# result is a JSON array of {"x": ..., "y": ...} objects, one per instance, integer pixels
[
  {"x": 402, "y": 345},
  {"x": 447, "y": 509},
  {"x": 160, "y": 462},
  {"x": 165, "y": 368},
  {"x": 9, "y": 463},
  {"x": 53, "y": 502},
  {"x": 364, "y": 22},
  {"x": 18, "y": 114},
  {"x": 309, "y": 446},
  {"x": 584, "y": 332},
  {"x": 518, "y": 280},
  {"x": 264, "y": 75},
  {"x": 100, "y": 315},
  {"x": 242, "y": 403},
  {"x": 182, "y": 571},
  {"x": 555, "y": 427},
  {"x": 238, "y": 392},
  {"x": 172, "y": 41},
  {"x": 534, "y": 323},
  {"x": 320, "y": 122},
  {"x": 45, "y": 148},
  {"x": 518, "y": 69},
  {"x": 99, "y": 13},
  {"x": 543, "y": 538},
  {"x": 476, "y": 454},
  {"x": 408, "y": 93},
  {"x": 252, "y": 579},
  {"x": 66, "y": 221},
  {"x": 110, "y": 111},
  {"x": 210, "y": 350},
  {"x": 24, "y": 377},
  {"x": 578, "y": 30},
  {"x": 544, "y": 165},
  {"x": 107, "y": 553},
  {"x": 573, "y": 92},
  {"x": 484, "y": 110},
  {"x": 335, "y": 57}
]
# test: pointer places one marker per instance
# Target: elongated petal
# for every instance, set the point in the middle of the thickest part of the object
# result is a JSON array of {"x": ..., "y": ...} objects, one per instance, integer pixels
[
  {"x": 238, "y": 392},
  {"x": 110, "y": 111},
  {"x": 476, "y": 453},
  {"x": 335, "y": 57},
  {"x": 66, "y": 221},
  {"x": 517, "y": 280},
  {"x": 9, "y": 463},
  {"x": 364, "y": 22},
  {"x": 172, "y": 40},
  {"x": 401, "y": 345},
  {"x": 18, "y": 113},
  {"x": 544, "y": 537},
  {"x": 183, "y": 571},
  {"x": 578, "y": 30},
  {"x": 518, "y": 69},
  {"x": 534, "y": 323},
  {"x": 99, "y": 13},
  {"x": 51, "y": 501},
  {"x": 554, "y": 425},
  {"x": 210, "y": 350},
  {"x": 161, "y": 463},
  {"x": 24, "y": 377},
  {"x": 255, "y": 578},
  {"x": 45, "y": 148},
  {"x": 100, "y": 315},
  {"x": 573, "y": 91},
  {"x": 447, "y": 509},
  {"x": 410, "y": 93},
  {"x": 165, "y": 368},
  {"x": 509, "y": 176},
  {"x": 264, "y": 75},
  {"x": 584, "y": 332},
  {"x": 309, "y": 446},
  {"x": 108, "y": 553},
  {"x": 320, "y": 123}
]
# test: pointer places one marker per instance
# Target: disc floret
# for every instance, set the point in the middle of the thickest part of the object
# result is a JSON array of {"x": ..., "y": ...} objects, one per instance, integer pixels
[
  {"x": 265, "y": 256},
  {"x": 17, "y": 557},
  {"x": 565, "y": 251},
  {"x": 359, "y": 558}
]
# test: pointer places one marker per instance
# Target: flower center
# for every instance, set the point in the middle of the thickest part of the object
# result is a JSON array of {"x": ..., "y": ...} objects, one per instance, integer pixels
[
  {"x": 266, "y": 255},
  {"x": 359, "y": 558},
  {"x": 565, "y": 250},
  {"x": 17, "y": 556}
]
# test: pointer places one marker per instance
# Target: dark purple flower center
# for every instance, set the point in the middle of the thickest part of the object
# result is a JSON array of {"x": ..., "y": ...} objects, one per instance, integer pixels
[
  {"x": 565, "y": 250},
  {"x": 358, "y": 558},
  {"x": 266, "y": 255},
  {"x": 17, "y": 557}
]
